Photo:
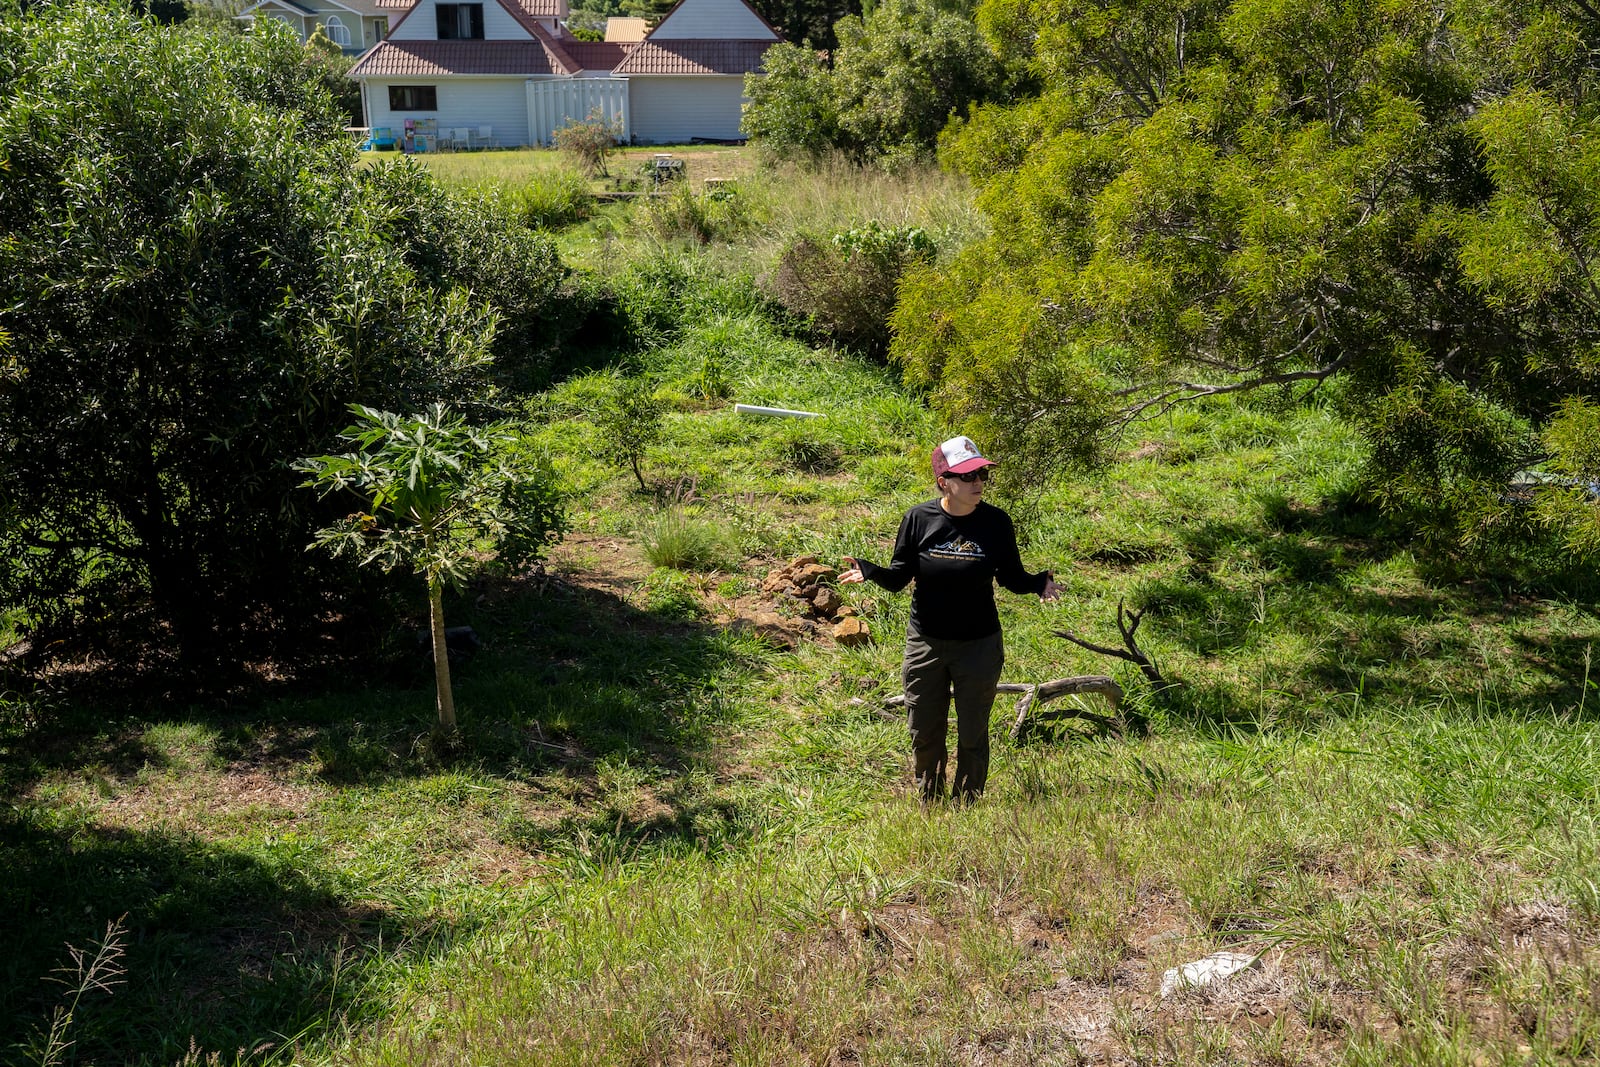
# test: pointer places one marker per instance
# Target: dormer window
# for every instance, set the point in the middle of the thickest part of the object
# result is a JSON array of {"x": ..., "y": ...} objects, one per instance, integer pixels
[{"x": 460, "y": 22}]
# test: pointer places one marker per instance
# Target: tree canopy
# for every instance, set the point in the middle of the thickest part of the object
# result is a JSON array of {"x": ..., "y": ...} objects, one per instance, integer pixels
[
  {"x": 1395, "y": 196},
  {"x": 890, "y": 86},
  {"x": 196, "y": 280}
]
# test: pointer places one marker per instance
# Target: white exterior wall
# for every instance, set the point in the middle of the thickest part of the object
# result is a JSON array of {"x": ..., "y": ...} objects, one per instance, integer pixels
[
  {"x": 500, "y": 103},
  {"x": 553, "y": 102},
  {"x": 725, "y": 20},
  {"x": 423, "y": 24},
  {"x": 674, "y": 109}
]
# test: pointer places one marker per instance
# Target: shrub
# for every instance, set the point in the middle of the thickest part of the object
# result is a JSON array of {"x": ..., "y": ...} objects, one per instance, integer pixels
[
  {"x": 682, "y": 539},
  {"x": 590, "y": 142},
  {"x": 330, "y": 68},
  {"x": 479, "y": 242},
  {"x": 846, "y": 286},
  {"x": 698, "y": 217},
  {"x": 629, "y": 421}
]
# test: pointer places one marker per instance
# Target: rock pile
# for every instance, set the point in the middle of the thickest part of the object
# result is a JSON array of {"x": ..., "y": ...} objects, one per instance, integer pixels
[{"x": 808, "y": 585}]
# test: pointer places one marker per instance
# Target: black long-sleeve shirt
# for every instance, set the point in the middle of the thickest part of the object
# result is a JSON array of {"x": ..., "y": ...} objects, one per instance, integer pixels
[{"x": 955, "y": 559}]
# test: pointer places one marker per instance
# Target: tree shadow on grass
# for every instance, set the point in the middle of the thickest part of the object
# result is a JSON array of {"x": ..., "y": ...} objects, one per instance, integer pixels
[
  {"x": 234, "y": 947},
  {"x": 224, "y": 951},
  {"x": 568, "y": 675},
  {"x": 1420, "y": 640}
]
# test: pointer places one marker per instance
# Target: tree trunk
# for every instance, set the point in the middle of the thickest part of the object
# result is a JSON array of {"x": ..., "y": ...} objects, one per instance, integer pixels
[{"x": 441, "y": 657}]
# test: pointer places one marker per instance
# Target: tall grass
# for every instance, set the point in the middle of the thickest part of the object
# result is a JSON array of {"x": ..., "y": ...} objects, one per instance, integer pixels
[
  {"x": 682, "y": 539},
  {"x": 1033, "y": 926}
]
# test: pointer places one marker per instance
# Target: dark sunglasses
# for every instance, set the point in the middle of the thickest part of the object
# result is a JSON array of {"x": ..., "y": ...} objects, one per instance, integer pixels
[{"x": 982, "y": 474}]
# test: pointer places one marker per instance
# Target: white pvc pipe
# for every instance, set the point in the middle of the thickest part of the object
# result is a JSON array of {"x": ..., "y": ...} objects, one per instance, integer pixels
[{"x": 751, "y": 409}]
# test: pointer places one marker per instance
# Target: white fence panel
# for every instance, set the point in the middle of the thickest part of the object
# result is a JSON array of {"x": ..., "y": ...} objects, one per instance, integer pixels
[{"x": 554, "y": 102}]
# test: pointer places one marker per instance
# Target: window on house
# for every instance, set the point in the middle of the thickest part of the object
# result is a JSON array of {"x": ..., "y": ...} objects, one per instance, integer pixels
[
  {"x": 335, "y": 29},
  {"x": 460, "y": 22},
  {"x": 413, "y": 98}
]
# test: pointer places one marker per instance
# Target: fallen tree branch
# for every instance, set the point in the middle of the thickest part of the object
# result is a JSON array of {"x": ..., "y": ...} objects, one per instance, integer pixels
[
  {"x": 1127, "y": 626},
  {"x": 1043, "y": 692}
]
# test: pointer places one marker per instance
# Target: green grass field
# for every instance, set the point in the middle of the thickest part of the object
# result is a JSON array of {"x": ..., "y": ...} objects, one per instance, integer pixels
[{"x": 660, "y": 841}]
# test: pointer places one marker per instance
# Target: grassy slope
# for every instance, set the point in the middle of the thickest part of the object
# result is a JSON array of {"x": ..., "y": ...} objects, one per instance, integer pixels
[{"x": 662, "y": 843}]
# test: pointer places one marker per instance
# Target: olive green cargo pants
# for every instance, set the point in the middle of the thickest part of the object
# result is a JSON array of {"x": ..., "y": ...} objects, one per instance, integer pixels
[{"x": 934, "y": 671}]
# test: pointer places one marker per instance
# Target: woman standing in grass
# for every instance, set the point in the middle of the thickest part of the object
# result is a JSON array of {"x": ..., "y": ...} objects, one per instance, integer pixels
[{"x": 956, "y": 548}]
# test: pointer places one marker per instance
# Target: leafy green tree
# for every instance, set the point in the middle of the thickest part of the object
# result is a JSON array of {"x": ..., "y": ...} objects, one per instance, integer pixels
[
  {"x": 629, "y": 421},
  {"x": 1214, "y": 198},
  {"x": 197, "y": 279},
  {"x": 331, "y": 69},
  {"x": 896, "y": 78},
  {"x": 791, "y": 113},
  {"x": 902, "y": 72},
  {"x": 439, "y": 495}
]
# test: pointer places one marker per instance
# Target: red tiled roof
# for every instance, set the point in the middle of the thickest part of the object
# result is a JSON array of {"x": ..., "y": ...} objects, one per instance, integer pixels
[
  {"x": 547, "y": 9},
  {"x": 563, "y": 63},
  {"x": 595, "y": 55},
  {"x": 430, "y": 59},
  {"x": 694, "y": 57}
]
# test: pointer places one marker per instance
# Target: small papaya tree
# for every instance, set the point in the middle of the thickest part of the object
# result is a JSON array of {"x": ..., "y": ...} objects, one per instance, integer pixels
[{"x": 442, "y": 498}]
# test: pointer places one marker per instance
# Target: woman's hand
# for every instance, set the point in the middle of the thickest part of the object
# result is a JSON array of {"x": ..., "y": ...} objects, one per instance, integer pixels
[
  {"x": 852, "y": 572},
  {"x": 1052, "y": 591}
]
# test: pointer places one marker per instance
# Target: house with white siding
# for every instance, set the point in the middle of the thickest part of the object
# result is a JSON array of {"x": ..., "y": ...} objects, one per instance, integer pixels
[
  {"x": 353, "y": 25},
  {"x": 507, "y": 72}
]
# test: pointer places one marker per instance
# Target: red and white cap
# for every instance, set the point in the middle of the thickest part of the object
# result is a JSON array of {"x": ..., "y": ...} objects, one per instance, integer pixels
[{"x": 958, "y": 456}]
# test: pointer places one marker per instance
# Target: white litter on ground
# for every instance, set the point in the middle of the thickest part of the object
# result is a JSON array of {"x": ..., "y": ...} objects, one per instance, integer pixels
[{"x": 1204, "y": 972}]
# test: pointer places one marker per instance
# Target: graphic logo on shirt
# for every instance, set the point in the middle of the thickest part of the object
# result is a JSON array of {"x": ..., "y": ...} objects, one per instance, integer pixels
[{"x": 960, "y": 548}]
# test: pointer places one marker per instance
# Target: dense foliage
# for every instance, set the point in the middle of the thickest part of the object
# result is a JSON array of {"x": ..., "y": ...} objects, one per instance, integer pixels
[
  {"x": 195, "y": 282},
  {"x": 331, "y": 67},
  {"x": 894, "y": 81},
  {"x": 1394, "y": 195},
  {"x": 844, "y": 286}
]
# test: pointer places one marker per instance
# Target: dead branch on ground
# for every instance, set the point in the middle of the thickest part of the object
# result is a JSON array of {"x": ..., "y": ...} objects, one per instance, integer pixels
[{"x": 1127, "y": 625}]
